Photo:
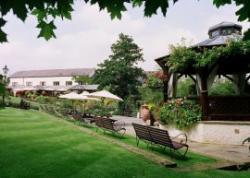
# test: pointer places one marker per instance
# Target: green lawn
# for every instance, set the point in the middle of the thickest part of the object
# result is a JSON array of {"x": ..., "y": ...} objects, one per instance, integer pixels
[{"x": 35, "y": 144}]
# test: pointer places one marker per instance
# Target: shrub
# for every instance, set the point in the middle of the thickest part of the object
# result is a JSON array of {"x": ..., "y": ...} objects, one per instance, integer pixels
[
  {"x": 181, "y": 113},
  {"x": 30, "y": 94},
  {"x": 222, "y": 88},
  {"x": 101, "y": 110},
  {"x": 149, "y": 95},
  {"x": 42, "y": 99},
  {"x": 154, "y": 82},
  {"x": 186, "y": 87}
]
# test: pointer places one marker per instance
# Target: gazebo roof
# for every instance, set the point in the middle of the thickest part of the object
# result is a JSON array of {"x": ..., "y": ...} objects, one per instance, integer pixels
[
  {"x": 219, "y": 35},
  {"x": 217, "y": 41},
  {"x": 224, "y": 25}
]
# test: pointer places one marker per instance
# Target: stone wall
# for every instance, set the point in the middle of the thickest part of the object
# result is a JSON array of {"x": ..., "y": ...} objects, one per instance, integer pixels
[{"x": 219, "y": 132}]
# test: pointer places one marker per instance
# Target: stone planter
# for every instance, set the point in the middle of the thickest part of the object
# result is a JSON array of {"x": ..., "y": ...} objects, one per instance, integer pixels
[{"x": 144, "y": 113}]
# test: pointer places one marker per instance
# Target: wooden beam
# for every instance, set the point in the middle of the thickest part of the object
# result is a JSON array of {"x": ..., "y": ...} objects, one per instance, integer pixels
[
  {"x": 229, "y": 78},
  {"x": 247, "y": 78},
  {"x": 179, "y": 76},
  {"x": 194, "y": 80}
]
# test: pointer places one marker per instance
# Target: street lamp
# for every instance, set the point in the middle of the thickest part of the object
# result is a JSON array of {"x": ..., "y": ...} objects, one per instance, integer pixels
[{"x": 5, "y": 70}]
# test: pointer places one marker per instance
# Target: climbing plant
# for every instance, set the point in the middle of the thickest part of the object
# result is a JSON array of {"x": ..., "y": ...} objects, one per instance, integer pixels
[{"x": 182, "y": 57}]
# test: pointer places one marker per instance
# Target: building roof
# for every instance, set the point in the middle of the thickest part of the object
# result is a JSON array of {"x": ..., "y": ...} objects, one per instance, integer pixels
[
  {"x": 54, "y": 73},
  {"x": 92, "y": 87}
]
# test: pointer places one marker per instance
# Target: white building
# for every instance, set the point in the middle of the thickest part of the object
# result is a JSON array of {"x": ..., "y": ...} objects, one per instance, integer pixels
[{"x": 51, "y": 77}]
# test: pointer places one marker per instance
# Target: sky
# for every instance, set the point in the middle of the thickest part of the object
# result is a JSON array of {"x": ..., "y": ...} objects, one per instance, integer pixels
[{"x": 85, "y": 40}]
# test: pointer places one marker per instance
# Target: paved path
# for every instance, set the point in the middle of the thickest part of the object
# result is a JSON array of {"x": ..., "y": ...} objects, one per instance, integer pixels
[{"x": 233, "y": 153}]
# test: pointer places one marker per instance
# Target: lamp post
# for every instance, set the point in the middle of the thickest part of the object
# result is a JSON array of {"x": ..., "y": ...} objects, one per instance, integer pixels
[{"x": 5, "y": 72}]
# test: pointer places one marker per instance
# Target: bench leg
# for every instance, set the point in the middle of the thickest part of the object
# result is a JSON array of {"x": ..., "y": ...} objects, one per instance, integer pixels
[
  {"x": 123, "y": 131},
  {"x": 137, "y": 141},
  {"x": 185, "y": 152},
  {"x": 151, "y": 145},
  {"x": 164, "y": 149}
]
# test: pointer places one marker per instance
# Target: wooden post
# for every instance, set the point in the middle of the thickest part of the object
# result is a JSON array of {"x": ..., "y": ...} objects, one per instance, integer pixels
[
  {"x": 239, "y": 82},
  {"x": 172, "y": 85},
  {"x": 165, "y": 90},
  {"x": 166, "y": 77},
  {"x": 204, "y": 95}
]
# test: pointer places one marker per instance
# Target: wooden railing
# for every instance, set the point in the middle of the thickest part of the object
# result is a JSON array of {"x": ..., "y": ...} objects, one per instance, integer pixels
[{"x": 234, "y": 108}]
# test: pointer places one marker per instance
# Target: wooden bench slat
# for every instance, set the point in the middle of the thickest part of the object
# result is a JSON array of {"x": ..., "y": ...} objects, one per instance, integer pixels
[
  {"x": 157, "y": 136},
  {"x": 108, "y": 124}
]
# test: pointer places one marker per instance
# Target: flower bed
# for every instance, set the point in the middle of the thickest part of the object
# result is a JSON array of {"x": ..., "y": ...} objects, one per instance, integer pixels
[{"x": 181, "y": 113}]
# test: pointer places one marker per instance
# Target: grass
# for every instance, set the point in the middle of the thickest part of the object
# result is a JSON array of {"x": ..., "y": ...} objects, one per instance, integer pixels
[
  {"x": 34, "y": 144},
  {"x": 191, "y": 159}
]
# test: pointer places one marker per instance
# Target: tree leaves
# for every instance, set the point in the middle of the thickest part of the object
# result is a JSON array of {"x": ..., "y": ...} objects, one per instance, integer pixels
[
  {"x": 51, "y": 9},
  {"x": 247, "y": 35},
  {"x": 40, "y": 14},
  {"x": 243, "y": 13},
  {"x": 3, "y": 35},
  {"x": 219, "y": 3},
  {"x": 19, "y": 9},
  {"x": 114, "y": 7},
  {"x": 46, "y": 29},
  {"x": 151, "y": 7},
  {"x": 64, "y": 9}
]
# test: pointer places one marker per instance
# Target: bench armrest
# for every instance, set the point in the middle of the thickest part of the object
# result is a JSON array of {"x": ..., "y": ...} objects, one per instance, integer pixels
[
  {"x": 119, "y": 124},
  {"x": 181, "y": 134}
]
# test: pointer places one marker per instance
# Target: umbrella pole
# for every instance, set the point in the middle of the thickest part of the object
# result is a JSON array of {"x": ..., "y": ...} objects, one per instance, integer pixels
[{"x": 74, "y": 110}]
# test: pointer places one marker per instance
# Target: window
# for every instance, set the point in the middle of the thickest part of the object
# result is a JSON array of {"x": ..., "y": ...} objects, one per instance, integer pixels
[
  {"x": 215, "y": 33},
  {"x": 68, "y": 83},
  {"x": 28, "y": 84},
  {"x": 14, "y": 84},
  {"x": 80, "y": 83},
  {"x": 42, "y": 83},
  {"x": 56, "y": 83}
]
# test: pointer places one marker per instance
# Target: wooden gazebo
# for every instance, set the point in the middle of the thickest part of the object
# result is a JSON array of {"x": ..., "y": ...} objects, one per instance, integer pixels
[{"x": 236, "y": 69}]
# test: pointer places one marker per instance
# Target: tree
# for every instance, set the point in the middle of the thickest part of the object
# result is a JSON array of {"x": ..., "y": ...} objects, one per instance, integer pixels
[
  {"x": 119, "y": 72},
  {"x": 46, "y": 11},
  {"x": 155, "y": 80},
  {"x": 83, "y": 79}
]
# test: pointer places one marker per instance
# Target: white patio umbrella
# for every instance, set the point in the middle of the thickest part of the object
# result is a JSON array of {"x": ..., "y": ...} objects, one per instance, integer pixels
[
  {"x": 104, "y": 94},
  {"x": 72, "y": 96},
  {"x": 75, "y": 96}
]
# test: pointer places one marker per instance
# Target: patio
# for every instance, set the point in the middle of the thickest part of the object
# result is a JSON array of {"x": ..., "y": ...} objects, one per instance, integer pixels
[{"x": 234, "y": 153}]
